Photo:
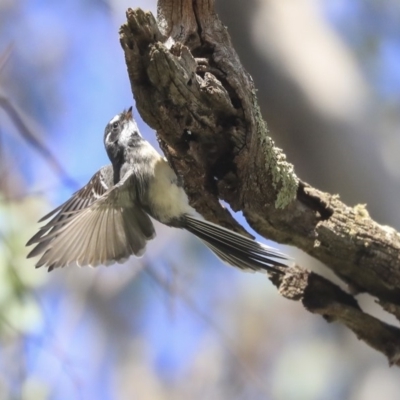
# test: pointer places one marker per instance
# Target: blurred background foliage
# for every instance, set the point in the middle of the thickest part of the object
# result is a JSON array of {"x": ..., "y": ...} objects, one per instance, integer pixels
[{"x": 177, "y": 324}]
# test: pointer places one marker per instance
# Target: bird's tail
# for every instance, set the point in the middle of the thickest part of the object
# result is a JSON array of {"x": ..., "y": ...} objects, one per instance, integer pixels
[{"x": 235, "y": 249}]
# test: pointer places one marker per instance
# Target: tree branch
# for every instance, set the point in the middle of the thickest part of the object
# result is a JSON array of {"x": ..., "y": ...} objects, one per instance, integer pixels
[{"x": 190, "y": 86}]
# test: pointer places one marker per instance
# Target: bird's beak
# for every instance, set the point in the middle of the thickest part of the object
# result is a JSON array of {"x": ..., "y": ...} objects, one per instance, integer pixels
[{"x": 128, "y": 114}]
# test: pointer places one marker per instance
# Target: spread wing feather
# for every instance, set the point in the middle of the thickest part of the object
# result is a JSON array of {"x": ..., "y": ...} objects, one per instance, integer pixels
[
  {"x": 100, "y": 182},
  {"x": 101, "y": 230}
]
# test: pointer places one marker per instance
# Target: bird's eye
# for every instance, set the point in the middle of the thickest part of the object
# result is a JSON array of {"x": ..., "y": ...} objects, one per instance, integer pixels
[{"x": 115, "y": 125}]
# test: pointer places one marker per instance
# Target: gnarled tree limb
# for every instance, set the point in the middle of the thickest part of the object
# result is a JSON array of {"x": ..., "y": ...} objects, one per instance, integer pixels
[{"x": 190, "y": 86}]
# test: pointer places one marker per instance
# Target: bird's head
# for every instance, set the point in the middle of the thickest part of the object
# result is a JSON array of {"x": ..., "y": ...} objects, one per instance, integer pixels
[{"x": 120, "y": 133}]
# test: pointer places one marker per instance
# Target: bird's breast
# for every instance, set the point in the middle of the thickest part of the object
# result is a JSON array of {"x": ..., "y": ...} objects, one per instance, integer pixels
[{"x": 167, "y": 200}]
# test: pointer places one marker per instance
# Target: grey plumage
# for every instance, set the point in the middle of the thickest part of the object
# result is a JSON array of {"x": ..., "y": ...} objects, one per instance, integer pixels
[
  {"x": 100, "y": 182},
  {"x": 108, "y": 220},
  {"x": 233, "y": 248},
  {"x": 100, "y": 230}
]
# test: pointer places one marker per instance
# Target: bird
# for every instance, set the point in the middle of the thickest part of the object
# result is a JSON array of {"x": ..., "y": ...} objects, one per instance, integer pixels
[{"x": 110, "y": 218}]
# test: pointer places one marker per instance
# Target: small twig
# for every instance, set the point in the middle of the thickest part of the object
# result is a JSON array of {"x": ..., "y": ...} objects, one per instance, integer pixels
[
  {"x": 36, "y": 143},
  {"x": 5, "y": 56}
]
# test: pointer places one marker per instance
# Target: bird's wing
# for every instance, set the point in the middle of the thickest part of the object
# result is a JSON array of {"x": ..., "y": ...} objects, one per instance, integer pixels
[
  {"x": 100, "y": 182},
  {"x": 107, "y": 230}
]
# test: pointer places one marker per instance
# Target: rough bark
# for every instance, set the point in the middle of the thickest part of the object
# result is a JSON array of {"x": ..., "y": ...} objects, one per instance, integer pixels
[{"x": 190, "y": 86}]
